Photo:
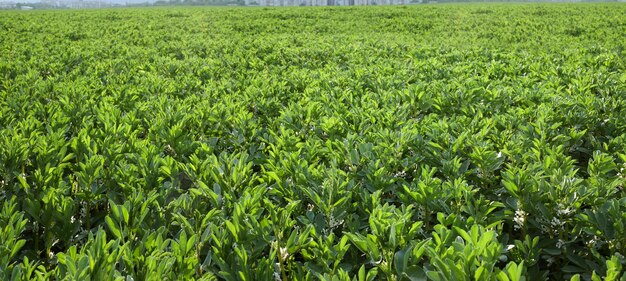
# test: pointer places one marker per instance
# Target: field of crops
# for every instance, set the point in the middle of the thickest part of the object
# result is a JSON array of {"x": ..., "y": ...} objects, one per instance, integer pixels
[{"x": 439, "y": 142}]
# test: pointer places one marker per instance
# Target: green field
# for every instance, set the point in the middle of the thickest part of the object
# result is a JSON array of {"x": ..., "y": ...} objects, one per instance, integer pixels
[{"x": 439, "y": 142}]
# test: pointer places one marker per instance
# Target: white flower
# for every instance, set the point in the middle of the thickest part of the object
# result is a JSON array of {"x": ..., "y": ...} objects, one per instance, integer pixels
[
  {"x": 284, "y": 254},
  {"x": 277, "y": 272},
  {"x": 560, "y": 243},
  {"x": 519, "y": 219},
  {"x": 557, "y": 223},
  {"x": 562, "y": 211},
  {"x": 334, "y": 222},
  {"x": 400, "y": 174}
]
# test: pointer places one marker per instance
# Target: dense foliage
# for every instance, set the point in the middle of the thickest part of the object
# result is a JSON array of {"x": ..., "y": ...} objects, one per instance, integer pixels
[{"x": 450, "y": 142}]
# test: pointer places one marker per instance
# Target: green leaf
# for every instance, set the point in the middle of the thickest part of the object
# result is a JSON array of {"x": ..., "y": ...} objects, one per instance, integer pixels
[
  {"x": 191, "y": 243},
  {"x": 464, "y": 234},
  {"x": 614, "y": 268},
  {"x": 359, "y": 241},
  {"x": 233, "y": 230},
  {"x": 392, "y": 236},
  {"x": 361, "y": 273},
  {"x": 355, "y": 158},
  {"x": 23, "y": 183},
  {"x": 595, "y": 276},
  {"x": 401, "y": 260},
  {"x": 435, "y": 276},
  {"x": 415, "y": 273},
  {"x": 113, "y": 227},
  {"x": 372, "y": 274},
  {"x": 125, "y": 214},
  {"x": 16, "y": 248}
]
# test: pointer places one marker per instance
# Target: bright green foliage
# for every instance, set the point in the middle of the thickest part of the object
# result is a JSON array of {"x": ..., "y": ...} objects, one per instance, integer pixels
[{"x": 423, "y": 142}]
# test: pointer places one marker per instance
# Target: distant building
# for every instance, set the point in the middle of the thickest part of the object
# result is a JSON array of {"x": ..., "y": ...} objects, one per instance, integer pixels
[
  {"x": 78, "y": 4},
  {"x": 26, "y": 7},
  {"x": 8, "y": 5},
  {"x": 328, "y": 2}
]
